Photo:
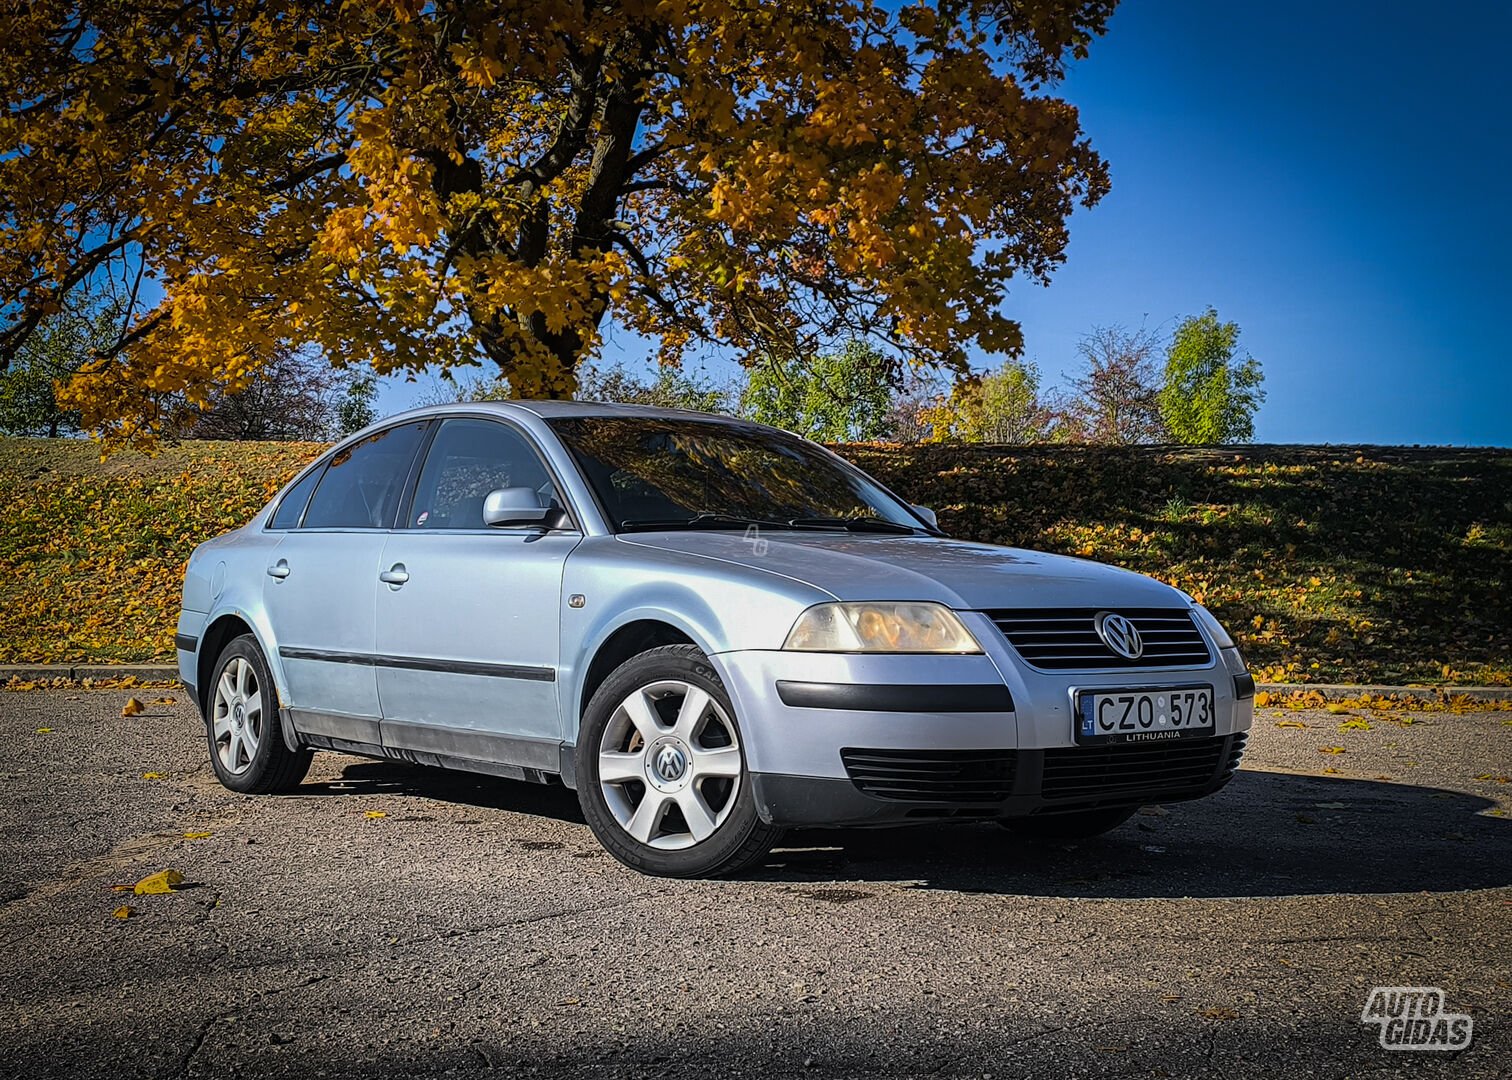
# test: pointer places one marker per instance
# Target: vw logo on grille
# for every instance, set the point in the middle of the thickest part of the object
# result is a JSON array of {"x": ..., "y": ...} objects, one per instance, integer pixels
[
  {"x": 670, "y": 763},
  {"x": 1120, "y": 634}
]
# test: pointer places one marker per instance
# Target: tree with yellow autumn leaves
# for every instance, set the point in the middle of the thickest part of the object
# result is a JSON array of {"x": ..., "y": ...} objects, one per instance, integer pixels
[{"x": 406, "y": 184}]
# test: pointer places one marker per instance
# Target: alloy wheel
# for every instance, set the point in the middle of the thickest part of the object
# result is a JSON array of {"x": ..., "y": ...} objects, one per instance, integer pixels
[
  {"x": 237, "y": 717},
  {"x": 669, "y": 765}
]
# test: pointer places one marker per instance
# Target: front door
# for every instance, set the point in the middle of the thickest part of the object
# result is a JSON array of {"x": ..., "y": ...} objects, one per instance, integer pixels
[
  {"x": 322, "y": 585},
  {"x": 468, "y": 616}
]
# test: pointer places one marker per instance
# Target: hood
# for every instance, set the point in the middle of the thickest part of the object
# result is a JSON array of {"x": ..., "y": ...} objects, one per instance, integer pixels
[{"x": 959, "y": 574}]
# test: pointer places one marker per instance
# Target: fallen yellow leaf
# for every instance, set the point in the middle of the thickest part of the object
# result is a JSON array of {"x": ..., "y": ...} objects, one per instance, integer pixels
[
  {"x": 1218, "y": 1013},
  {"x": 197, "y": 835},
  {"x": 374, "y": 814},
  {"x": 164, "y": 881},
  {"x": 152, "y": 776},
  {"x": 1330, "y": 749},
  {"x": 124, "y": 912},
  {"x": 44, "y": 731},
  {"x": 1290, "y": 723},
  {"x": 163, "y": 701},
  {"x": 133, "y": 707}
]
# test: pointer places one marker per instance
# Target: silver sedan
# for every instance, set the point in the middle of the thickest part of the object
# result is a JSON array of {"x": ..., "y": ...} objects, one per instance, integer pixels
[{"x": 712, "y": 630}]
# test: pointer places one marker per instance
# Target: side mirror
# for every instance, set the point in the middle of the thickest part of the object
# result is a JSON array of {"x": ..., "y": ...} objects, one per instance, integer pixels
[
  {"x": 514, "y": 506},
  {"x": 928, "y": 515}
]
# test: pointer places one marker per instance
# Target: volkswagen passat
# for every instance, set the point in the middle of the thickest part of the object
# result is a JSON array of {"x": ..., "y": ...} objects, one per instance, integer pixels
[{"x": 711, "y": 629}]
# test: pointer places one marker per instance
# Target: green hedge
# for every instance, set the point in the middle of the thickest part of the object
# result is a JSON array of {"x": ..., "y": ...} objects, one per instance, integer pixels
[{"x": 1347, "y": 564}]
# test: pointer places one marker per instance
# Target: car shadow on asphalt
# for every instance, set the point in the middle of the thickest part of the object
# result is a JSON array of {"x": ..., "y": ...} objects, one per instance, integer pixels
[
  {"x": 365, "y": 777},
  {"x": 1266, "y": 834}
]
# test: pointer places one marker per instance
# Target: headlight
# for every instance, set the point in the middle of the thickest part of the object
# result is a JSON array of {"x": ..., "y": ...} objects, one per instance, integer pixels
[
  {"x": 1214, "y": 628},
  {"x": 882, "y": 627}
]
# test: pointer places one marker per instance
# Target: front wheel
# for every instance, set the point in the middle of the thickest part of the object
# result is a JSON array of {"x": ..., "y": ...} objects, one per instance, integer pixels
[
  {"x": 661, "y": 772},
  {"x": 247, "y": 748}
]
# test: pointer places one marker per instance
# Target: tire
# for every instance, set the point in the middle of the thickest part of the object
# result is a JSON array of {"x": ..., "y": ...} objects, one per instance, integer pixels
[
  {"x": 665, "y": 795},
  {"x": 247, "y": 748},
  {"x": 1082, "y": 825}
]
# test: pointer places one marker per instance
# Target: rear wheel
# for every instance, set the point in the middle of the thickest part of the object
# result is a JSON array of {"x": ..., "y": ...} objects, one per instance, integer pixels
[
  {"x": 661, "y": 772},
  {"x": 1082, "y": 825},
  {"x": 247, "y": 748}
]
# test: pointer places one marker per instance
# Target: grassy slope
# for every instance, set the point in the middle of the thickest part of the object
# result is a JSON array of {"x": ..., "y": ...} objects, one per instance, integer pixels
[{"x": 1334, "y": 564}]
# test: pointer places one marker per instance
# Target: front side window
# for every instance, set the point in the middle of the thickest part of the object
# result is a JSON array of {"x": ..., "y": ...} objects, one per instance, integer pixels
[
  {"x": 663, "y": 472},
  {"x": 467, "y": 460},
  {"x": 361, "y": 486}
]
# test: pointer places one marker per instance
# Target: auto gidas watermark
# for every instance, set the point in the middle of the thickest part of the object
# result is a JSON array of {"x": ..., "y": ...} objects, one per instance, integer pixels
[{"x": 1413, "y": 1018}]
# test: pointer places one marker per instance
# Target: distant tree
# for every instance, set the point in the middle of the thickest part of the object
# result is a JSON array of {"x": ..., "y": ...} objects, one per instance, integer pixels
[
  {"x": 1210, "y": 395},
  {"x": 843, "y": 396},
  {"x": 355, "y": 410},
  {"x": 1002, "y": 406},
  {"x": 448, "y": 389},
  {"x": 62, "y": 344},
  {"x": 294, "y": 396},
  {"x": 672, "y": 388},
  {"x": 1116, "y": 399},
  {"x": 908, "y": 416}
]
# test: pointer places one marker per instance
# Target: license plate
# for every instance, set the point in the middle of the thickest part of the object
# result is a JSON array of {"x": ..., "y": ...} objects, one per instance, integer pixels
[{"x": 1120, "y": 716}]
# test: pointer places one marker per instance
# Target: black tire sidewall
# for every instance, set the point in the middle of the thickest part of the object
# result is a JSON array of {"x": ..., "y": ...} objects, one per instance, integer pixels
[
  {"x": 257, "y": 779},
  {"x": 739, "y": 839}
]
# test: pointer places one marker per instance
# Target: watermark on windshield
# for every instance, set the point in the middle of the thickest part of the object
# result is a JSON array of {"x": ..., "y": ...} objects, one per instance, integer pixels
[
  {"x": 1413, "y": 1018},
  {"x": 756, "y": 540}
]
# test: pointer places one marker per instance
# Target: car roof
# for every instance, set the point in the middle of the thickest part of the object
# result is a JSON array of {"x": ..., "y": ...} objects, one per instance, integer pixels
[{"x": 549, "y": 410}]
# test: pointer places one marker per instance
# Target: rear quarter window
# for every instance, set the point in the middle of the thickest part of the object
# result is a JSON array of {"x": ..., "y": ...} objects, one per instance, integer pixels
[{"x": 292, "y": 506}]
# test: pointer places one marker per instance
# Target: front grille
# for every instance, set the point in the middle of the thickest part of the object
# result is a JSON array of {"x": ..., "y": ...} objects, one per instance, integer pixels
[
  {"x": 1065, "y": 639},
  {"x": 1125, "y": 773},
  {"x": 942, "y": 776}
]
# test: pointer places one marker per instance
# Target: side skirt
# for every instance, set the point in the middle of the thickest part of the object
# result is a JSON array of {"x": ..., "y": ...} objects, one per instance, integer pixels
[{"x": 531, "y": 760}]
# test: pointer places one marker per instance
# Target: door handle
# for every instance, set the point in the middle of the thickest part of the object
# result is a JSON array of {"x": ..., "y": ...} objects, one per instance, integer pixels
[
  {"x": 395, "y": 575},
  {"x": 279, "y": 570}
]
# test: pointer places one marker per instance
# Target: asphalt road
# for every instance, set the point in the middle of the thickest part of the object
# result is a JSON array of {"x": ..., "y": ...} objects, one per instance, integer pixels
[{"x": 476, "y": 929}]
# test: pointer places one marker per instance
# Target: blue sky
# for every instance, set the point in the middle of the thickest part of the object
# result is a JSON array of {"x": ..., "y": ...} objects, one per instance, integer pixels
[{"x": 1333, "y": 177}]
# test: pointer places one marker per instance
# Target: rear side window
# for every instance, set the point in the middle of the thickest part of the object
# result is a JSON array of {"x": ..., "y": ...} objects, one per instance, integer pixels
[
  {"x": 288, "y": 512},
  {"x": 361, "y": 486}
]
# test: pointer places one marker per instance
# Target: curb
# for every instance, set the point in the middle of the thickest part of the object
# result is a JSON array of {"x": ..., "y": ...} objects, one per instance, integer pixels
[
  {"x": 1329, "y": 691},
  {"x": 80, "y": 672}
]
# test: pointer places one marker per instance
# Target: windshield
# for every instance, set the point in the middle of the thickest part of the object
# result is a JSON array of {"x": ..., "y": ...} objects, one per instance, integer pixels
[{"x": 667, "y": 473}]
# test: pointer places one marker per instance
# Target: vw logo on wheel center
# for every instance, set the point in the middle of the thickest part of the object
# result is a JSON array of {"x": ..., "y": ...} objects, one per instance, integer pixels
[
  {"x": 1120, "y": 634},
  {"x": 670, "y": 763}
]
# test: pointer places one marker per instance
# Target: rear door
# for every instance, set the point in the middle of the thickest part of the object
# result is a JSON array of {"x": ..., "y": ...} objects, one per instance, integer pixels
[
  {"x": 469, "y": 618},
  {"x": 323, "y": 578}
]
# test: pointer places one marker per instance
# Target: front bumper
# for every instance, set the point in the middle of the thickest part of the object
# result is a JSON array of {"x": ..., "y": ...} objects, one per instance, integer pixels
[
  {"x": 904, "y": 788},
  {"x": 848, "y": 739}
]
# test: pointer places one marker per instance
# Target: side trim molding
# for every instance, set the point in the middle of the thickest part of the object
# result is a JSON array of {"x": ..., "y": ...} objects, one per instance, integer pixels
[
  {"x": 544, "y": 755},
  {"x": 185, "y": 643},
  {"x": 896, "y": 697},
  {"x": 422, "y": 663}
]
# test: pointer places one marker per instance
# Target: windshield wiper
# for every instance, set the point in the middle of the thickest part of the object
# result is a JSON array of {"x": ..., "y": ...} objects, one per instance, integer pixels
[
  {"x": 707, "y": 520},
  {"x": 854, "y": 524}
]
